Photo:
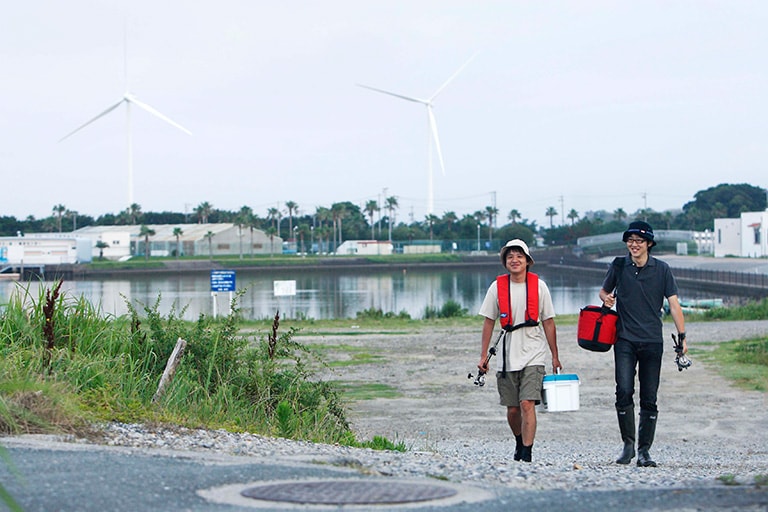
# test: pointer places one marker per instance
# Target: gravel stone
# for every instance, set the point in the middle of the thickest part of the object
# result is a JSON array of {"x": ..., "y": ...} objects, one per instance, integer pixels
[{"x": 708, "y": 430}]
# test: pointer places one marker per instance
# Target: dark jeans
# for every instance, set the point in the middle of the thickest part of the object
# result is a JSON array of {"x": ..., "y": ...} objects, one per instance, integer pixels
[{"x": 646, "y": 357}]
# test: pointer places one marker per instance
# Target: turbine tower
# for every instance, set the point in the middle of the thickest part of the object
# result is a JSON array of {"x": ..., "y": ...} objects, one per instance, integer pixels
[
  {"x": 432, "y": 134},
  {"x": 129, "y": 99}
]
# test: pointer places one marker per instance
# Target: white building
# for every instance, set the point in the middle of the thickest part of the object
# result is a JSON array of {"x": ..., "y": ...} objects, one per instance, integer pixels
[
  {"x": 38, "y": 249},
  {"x": 746, "y": 236},
  {"x": 727, "y": 237},
  {"x": 365, "y": 248},
  {"x": 123, "y": 242}
]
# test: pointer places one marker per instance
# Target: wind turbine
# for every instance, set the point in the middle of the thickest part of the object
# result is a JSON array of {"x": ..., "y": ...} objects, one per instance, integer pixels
[
  {"x": 129, "y": 99},
  {"x": 428, "y": 102}
]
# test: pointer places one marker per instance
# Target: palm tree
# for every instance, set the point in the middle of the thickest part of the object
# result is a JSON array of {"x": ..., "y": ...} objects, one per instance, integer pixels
[
  {"x": 271, "y": 233},
  {"x": 514, "y": 215},
  {"x": 431, "y": 219},
  {"x": 292, "y": 207},
  {"x": 203, "y": 211},
  {"x": 450, "y": 218},
  {"x": 491, "y": 212},
  {"x": 619, "y": 214},
  {"x": 668, "y": 218},
  {"x": 59, "y": 210},
  {"x": 391, "y": 204},
  {"x": 551, "y": 212},
  {"x": 272, "y": 214},
  {"x": 134, "y": 213},
  {"x": 101, "y": 245},
  {"x": 243, "y": 219},
  {"x": 74, "y": 215},
  {"x": 209, "y": 235},
  {"x": 371, "y": 207},
  {"x": 146, "y": 232},
  {"x": 573, "y": 215},
  {"x": 338, "y": 211},
  {"x": 177, "y": 232},
  {"x": 303, "y": 232}
]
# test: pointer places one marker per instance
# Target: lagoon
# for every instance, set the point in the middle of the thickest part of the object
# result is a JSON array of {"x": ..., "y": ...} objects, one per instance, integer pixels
[{"x": 320, "y": 294}]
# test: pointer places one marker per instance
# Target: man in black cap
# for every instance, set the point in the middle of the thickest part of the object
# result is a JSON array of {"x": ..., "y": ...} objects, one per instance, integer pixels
[{"x": 637, "y": 284}]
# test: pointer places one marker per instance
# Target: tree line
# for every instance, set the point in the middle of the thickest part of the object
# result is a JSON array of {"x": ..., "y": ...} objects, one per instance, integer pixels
[{"x": 346, "y": 220}]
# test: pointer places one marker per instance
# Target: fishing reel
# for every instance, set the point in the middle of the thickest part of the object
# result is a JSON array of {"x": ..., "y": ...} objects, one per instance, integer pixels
[
  {"x": 680, "y": 358},
  {"x": 479, "y": 380}
]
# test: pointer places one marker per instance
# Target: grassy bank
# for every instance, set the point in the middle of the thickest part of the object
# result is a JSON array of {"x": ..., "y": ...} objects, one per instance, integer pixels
[
  {"x": 278, "y": 260},
  {"x": 65, "y": 365}
]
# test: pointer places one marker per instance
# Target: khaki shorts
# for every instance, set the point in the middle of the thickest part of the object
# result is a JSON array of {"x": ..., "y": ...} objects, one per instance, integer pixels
[{"x": 525, "y": 384}]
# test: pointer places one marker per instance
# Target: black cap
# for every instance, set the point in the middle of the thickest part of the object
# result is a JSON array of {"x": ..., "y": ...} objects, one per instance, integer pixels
[{"x": 642, "y": 229}]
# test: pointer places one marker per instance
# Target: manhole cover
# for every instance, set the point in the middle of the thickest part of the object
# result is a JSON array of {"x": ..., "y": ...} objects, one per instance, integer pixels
[{"x": 348, "y": 492}]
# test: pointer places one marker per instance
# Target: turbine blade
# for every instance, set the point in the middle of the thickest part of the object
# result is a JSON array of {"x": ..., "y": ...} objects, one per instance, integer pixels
[
  {"x": 451, "y": 78},
  {"x": 110, "y": 109},
  {"x": 155, "y": 113},
  {"x": 433, "y": 125},
  {"x": 408, "y": 98}
]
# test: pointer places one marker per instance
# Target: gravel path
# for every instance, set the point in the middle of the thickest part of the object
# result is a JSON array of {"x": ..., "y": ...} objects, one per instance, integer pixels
[{"x": 707, "y": 428}]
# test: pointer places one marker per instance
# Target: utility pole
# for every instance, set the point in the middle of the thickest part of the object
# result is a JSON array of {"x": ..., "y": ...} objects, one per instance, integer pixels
[
  {"x": 562, "y": 211},
  {"x": 645, "y": 206},
  {"x": 384, "y": 194},
  {"x": 495, "y": 217}
]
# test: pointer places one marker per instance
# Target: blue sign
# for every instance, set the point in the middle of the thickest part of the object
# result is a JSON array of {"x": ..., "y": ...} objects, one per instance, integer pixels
[{"x": 222, "y": 280}]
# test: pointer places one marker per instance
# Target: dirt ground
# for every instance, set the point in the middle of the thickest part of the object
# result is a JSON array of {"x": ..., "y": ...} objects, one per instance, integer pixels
[{"x": 439, "y": 402}]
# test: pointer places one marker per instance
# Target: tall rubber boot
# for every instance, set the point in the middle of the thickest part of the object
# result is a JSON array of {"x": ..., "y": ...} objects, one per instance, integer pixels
[
  {"x": 518, "y": 446},
  {"x": 626, "y": 417},
  {"x": 526, "y": 453},
  {"x": 645, "y": 435}
]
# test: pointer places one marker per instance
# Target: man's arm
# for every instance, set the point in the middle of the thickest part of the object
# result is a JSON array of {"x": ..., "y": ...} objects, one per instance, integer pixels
[
  {"x": 550, "y": 331},
  {"x": 608, "y": 298},
  {"x": 676, "y": 311},
  {"x": 485, "y": 342}
]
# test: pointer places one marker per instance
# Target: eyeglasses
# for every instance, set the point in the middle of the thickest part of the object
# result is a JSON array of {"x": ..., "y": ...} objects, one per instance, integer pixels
[{"x": 635, "y": 241}]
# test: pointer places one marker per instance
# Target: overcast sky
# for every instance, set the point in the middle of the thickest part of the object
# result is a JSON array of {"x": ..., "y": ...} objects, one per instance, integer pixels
[{"x": 577, "y": 105}]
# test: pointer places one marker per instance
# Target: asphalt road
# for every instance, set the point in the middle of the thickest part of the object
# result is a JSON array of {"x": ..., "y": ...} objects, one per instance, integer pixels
[{"x": 53, "y": 476}]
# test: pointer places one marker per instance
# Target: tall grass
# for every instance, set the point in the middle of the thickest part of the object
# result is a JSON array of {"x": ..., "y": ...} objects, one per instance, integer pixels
[
  {"x": 62, "y": 357},
  {"x": 753, "y": 310}
]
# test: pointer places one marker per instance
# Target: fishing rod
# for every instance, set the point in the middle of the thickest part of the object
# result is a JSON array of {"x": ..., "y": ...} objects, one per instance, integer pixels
[
  {"x": 480, "y": 379},
  {"x": 680, "y": 358}
]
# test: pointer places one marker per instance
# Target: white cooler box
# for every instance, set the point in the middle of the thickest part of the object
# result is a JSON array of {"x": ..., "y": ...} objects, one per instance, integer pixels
[{"x": 561, "y": 392}]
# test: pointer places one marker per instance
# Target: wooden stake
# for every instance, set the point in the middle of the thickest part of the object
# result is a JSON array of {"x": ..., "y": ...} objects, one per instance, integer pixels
[{"x": 170, "y": 368}]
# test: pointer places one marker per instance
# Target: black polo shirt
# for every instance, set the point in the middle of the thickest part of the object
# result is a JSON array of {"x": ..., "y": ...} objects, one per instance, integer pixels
[{"x": 640, "y": 294}]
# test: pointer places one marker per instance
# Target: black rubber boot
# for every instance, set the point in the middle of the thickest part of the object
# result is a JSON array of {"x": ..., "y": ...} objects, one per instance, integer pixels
[
  {"x": 626, "y": 417},
  {"x": 645, "y": 435},
  {"x": 526, "y": 453},
  {"x": 518, "y": 446}
]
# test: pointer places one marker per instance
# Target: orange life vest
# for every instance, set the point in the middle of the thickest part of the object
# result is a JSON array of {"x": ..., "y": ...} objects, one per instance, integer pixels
[{"x": 505, "y": 303}]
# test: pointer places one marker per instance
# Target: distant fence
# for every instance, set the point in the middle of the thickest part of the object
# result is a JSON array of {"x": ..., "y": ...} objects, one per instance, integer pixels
[{"x": 751, "y": 283}]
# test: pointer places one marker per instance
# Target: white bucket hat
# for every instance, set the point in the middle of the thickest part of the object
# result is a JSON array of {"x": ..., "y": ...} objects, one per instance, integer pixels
[{"x": 515, "y": 243}]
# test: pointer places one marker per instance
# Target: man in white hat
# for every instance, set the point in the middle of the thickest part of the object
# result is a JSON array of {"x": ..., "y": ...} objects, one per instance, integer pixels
[{"x": 523, "y": 305}]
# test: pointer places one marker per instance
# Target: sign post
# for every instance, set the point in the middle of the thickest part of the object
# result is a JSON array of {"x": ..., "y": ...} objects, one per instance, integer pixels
[{"x": 222, "y": 281}]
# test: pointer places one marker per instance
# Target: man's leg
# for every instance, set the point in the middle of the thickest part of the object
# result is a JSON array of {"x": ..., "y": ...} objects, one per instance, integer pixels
[
  {"x": 625, "y": 359},
  {"x": 528, "y": 410},
  {"x": 649, "y": 372},
  {"x": 515, "y": 423}
]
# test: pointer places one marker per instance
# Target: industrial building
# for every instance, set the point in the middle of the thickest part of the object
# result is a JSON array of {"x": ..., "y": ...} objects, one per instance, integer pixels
[{"x": 124, "y": 242}]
